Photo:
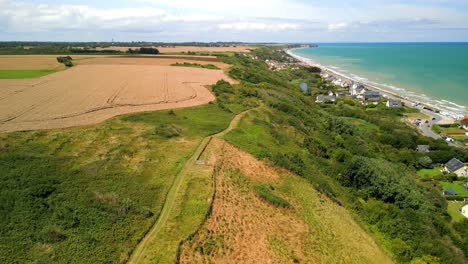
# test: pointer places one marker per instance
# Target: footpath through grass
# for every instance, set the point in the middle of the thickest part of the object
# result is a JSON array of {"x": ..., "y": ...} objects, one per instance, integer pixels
[
  {"x": 89, "y": 195},
  {"x": 186, "y": 205},
  {"x": 25, "y": 74}
]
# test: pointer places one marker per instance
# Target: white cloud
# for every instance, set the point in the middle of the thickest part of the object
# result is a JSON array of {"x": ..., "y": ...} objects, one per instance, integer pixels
[
  {"x": 243, "y": 20},
  {"x": 338, "y": 26},
  {"x": 259, "y": 26}
]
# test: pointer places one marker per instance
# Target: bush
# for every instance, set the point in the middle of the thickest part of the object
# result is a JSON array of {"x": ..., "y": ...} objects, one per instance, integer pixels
[
  {"x": 265, "y": 193},
  {"x": 426, "y": 162},
  {"x": 168, "y": 130},
  {"x": 67, "y": 61}
]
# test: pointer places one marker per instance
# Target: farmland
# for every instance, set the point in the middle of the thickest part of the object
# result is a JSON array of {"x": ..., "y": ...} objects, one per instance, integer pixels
[
  {"x": 100, "y": 88},
  {"x": 179, "y": 49},
  {"x": 88, "y": 195}
]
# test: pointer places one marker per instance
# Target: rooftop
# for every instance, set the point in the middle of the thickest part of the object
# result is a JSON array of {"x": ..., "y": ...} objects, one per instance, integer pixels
[{"x": 454, "y": 165}]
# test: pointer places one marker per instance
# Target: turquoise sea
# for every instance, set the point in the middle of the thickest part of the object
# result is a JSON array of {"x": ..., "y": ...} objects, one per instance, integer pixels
[{"x": 435, "y": 73}]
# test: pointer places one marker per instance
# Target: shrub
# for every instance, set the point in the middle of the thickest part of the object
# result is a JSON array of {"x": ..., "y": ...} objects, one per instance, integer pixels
[
  {"x": 67, "y": 61},
  {"x": 168, "y": 130},
  {"x": 265, "y": 193}
]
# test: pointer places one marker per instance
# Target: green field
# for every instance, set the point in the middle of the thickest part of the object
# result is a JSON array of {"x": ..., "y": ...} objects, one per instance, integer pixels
[
  {"x": 25, "y": 74},
  {"x": 88, "y": 195},
  {"x": 456, "y": 186},
  {"x": 425, "y": 173}
]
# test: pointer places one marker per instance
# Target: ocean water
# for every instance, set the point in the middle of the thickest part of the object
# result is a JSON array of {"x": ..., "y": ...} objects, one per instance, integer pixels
[{"x": 434, "y": 73}]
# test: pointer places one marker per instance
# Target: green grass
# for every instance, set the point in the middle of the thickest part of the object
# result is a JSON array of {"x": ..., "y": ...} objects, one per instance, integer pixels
[
  {"x": 89, "y": 194},
  {"x": 453, "y": 209},
  {"x": 24, "y": 74},
  {"x": 429, "y": 172},
  {"x": 456, "y": 186},
  {"x": 361, "y": 123},
  {"x": 265, "y": 192},
  {"x": 197, "y": 65}
]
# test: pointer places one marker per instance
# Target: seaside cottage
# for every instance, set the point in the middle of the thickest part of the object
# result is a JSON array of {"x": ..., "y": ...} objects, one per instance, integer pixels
[
  {"x": 358, "y": 91},
  {"x": 372, "y": 96},
  {"x": 391, "y": 103},
  {"x": 456, "y": 166}
]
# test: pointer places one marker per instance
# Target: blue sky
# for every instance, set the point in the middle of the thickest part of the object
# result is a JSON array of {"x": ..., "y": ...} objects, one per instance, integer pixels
[{"x": 240, "y": 20}]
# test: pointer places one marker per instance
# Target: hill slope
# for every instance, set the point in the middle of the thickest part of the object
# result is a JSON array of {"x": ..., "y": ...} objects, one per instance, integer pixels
[{"x": 246, "y": 228}]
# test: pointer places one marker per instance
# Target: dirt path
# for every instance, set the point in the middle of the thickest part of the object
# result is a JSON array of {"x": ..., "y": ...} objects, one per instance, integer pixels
[{"x": 139, "y": 252}]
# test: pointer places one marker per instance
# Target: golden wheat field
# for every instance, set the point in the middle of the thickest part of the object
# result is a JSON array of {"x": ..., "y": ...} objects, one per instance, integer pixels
[{"x": 101, "y": 88}]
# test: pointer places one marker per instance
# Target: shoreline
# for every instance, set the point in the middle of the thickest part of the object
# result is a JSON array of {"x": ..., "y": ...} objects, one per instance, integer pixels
[{"x": 447, "y": 113}]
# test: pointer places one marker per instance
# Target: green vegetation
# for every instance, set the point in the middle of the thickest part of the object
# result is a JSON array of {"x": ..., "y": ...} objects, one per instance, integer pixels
[
  {"x": 67, "y": 61},
  {"x": 143, "y": 50},
  {"x": 453, "y": 209},
  {"x": 362, "y": 158},
  {"x": 456, "y": 186},
  {"x": 25, "y": 74},
  {"x": 265, "y": 192},
  {"x": 90, "y": 194},
  {"x": 196, "y": 65},
  {"x": 429, "y": 173}
]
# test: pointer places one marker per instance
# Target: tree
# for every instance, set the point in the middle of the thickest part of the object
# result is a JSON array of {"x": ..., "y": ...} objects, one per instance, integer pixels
[{"x": 426, "y": 162}]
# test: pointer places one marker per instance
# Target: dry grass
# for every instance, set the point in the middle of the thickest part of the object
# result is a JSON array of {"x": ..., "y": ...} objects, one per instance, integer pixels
[
  {"x": 245, "y": 229},
  {"x": 100, "y": 88},
  {"x": 28, "y": 62}
]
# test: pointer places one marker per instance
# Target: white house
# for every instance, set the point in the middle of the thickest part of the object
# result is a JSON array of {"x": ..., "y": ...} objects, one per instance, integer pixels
[
  {"x": 464, "y": 211},
  {"x": 393, "y": 103},
  {"x": 457, "y": 167}
]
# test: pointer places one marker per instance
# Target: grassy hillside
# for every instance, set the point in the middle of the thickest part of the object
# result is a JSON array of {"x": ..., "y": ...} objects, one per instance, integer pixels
[
  {"x": 88, "y": 195},
  {"x": 248, "y": 226}
]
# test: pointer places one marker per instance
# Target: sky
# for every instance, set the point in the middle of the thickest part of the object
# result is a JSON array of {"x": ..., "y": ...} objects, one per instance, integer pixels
[{"x": 286, "y": 21}]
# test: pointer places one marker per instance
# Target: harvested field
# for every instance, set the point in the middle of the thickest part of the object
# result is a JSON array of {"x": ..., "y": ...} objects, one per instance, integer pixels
[
  {"x": 28, "y": 62},
  {"x": 98, "y": 89},
  {"x": 244, "y": 228},
  {"x": 160, "y": 60},
  {"x": 203, "y": 49},
  {"x": 167, "y": 49}
]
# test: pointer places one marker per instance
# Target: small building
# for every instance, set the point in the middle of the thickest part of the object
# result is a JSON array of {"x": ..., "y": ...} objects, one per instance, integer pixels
[
  {"x": 449, "y": 192},
  {"x": 464, "y": 122},
  {"x": 464, "y": 211},
  {"x": 456, "y": 166},
  {"x": 358, "y": 91},
  {"x": 372, "y": 96},
  {"x": 423, "y": 148},
  {"x": 304, "y": 87},
  {"x": 342, "y": 94},
  {"x": 325, "y": 99},
  {"x": 393, "y": 103}
]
